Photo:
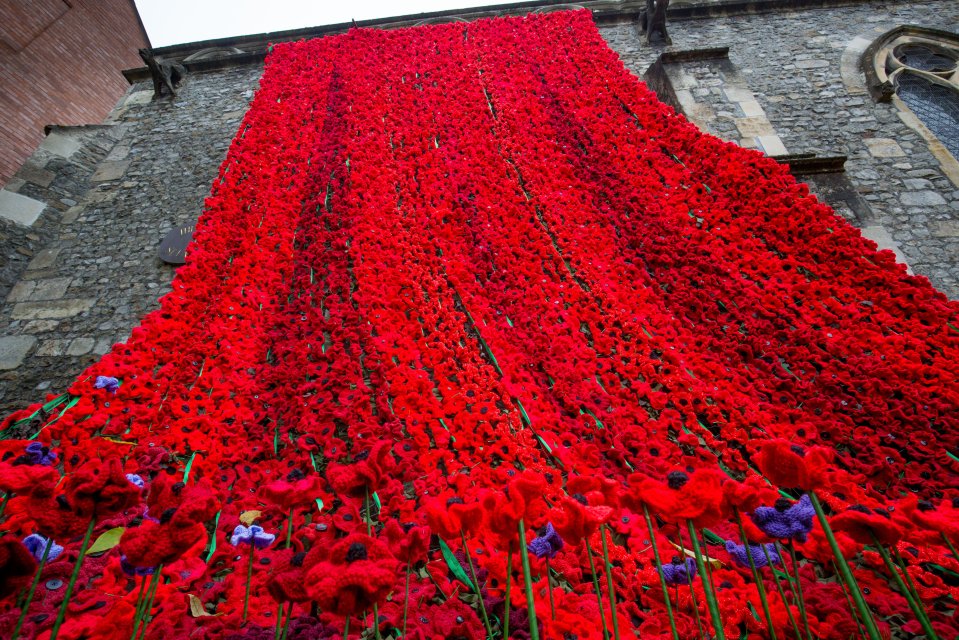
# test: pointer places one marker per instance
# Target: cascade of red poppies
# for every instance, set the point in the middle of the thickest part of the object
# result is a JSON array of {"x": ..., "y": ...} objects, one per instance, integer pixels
[{"x": 460, "y": 279}]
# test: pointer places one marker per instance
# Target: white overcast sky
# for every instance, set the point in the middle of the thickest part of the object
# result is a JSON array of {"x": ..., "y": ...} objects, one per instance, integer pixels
[{"x": 176, "y": 21}]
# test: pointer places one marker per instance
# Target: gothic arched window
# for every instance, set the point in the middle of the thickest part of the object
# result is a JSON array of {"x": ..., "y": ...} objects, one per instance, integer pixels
[
  {"x": 936, "y": 105},
  {"x": 918, "y": 68}
]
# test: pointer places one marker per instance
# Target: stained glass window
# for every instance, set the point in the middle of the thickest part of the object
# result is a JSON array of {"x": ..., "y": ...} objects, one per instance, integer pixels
[
  {"x": 925, "y": 58},
  {"x": 936, "y": 105}
]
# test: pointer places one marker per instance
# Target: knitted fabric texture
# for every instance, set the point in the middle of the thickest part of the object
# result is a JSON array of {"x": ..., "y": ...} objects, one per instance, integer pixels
[
  {"x": 740, "y": 555},
  {"x": 679, "y": 572},
  {"x": 794, "y": 523},
  {"x": 546, "y": 545}
]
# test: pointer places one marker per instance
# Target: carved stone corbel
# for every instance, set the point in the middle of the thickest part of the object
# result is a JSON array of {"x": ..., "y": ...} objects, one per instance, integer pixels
[
  {"x": 653, "y": 22},
  {"x": 165, "y": 73}
]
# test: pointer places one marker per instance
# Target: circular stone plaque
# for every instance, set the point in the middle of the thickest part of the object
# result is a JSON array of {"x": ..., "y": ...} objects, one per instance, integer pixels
[{"x": 173, "y": 247}]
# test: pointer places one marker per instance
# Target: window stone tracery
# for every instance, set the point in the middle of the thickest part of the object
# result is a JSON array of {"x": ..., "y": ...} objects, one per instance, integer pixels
[{"x": 917, "y": 69}]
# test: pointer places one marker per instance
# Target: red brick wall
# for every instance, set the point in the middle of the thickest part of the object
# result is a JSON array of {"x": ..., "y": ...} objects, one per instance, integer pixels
[{"x": 60, "y": 63}]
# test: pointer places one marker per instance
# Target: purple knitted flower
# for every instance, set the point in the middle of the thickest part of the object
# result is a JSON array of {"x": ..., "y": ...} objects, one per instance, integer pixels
[
  {"x": 741, "y": 556},
  {"x": 254, "y": 535},
  {"x": 679, "y": 572},
  {"x": 41, "y": 455},
  {"x": 786, "y": 521},
  {"x": 131, "y": 570},
  {"x": 37, "y": 544},
  {"x": 108, "y": 383},
  {"x": 546, "y": 545}
]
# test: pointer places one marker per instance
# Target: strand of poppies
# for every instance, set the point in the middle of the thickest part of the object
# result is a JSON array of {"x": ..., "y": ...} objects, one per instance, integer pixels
[
  {"x": 432, "y": 295},
  {"x": 71, "y": 457},
  {"x": 171, "y": 352},
  {"x": 243, "y": 354},
  {"x": 347, "y": 305},
  {"x": 343, "y": 305},
  {"x": 444, "y": 252},
  {"x": 482, "y": 235},
  {"x": 446, "y": 262},
  {"x": 326, "y": 333}
]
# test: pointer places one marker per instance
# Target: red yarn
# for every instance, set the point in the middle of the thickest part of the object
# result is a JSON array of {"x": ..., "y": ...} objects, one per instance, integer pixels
[
  {"x": 785, "y": 466},
  {"x": 699, "y": 499},
  {"x": 745, "y": 496},
  {"x": 575, "y": 521},
  {"x": 288, "y": 583},
  {"x": 287, "y": 495},
  {"x": 21, "y": 479},
  {"x": 100, "y": 488},
  {"x": 610, "y": 489},
  {"x": 503, "y": 513},
  {"x": 16, "y": 566},
  {"x": 861, "y": 527},
  {"x": 350, "y": 586},
  {"x": 944, "y": 519},
  {"x": 52, "y": 517},
  {"x": 407, "y": 546},
  {"x": 154, "y": 543},
  {"x": 360, "y": 476}
]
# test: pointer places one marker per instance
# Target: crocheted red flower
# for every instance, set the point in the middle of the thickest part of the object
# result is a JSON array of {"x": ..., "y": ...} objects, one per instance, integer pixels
[
  {"x": 16, "y": 566},
  {"x": 575, "y": 518},
  {"x": 865, "y": 526},
  {"x": 179, "y": 529},
  {"x": 696, "y": 497},
  {"x": 450, "y": 516},
  {"x": 407, "y": 543},
  {"x": 287, "y": 494},
  {"x": 288, "y": 583},
  {"x": 792, "y": 466},
  {"x": 21, "y": 479},
  {"x": 100, "y": 488},
  {"x": 608, "y": 489},
  {"x": 364, "y": 474},
  {"x": 451, "y": 619},
  {"x": 502, "y": 514},
  {"x": 745, "y": 496},
  {"x": 358, "y": 572}
]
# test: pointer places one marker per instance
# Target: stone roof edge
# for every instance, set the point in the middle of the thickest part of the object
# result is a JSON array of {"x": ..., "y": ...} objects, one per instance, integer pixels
[{"x": 252, "y": 49}]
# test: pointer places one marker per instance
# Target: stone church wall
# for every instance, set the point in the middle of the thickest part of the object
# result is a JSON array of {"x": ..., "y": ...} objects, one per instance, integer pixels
[{"x": 787, "y": 84}]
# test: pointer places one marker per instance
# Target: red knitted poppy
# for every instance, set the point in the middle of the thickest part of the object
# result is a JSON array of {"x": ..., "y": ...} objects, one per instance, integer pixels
[
  {"x": 358, "y": 573},
  {"x": 787, "y": 465},
  {"x": 17, "y": 566},
  {"x": 100, "y": 488},
  {"x": 866, "y": 528}
]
